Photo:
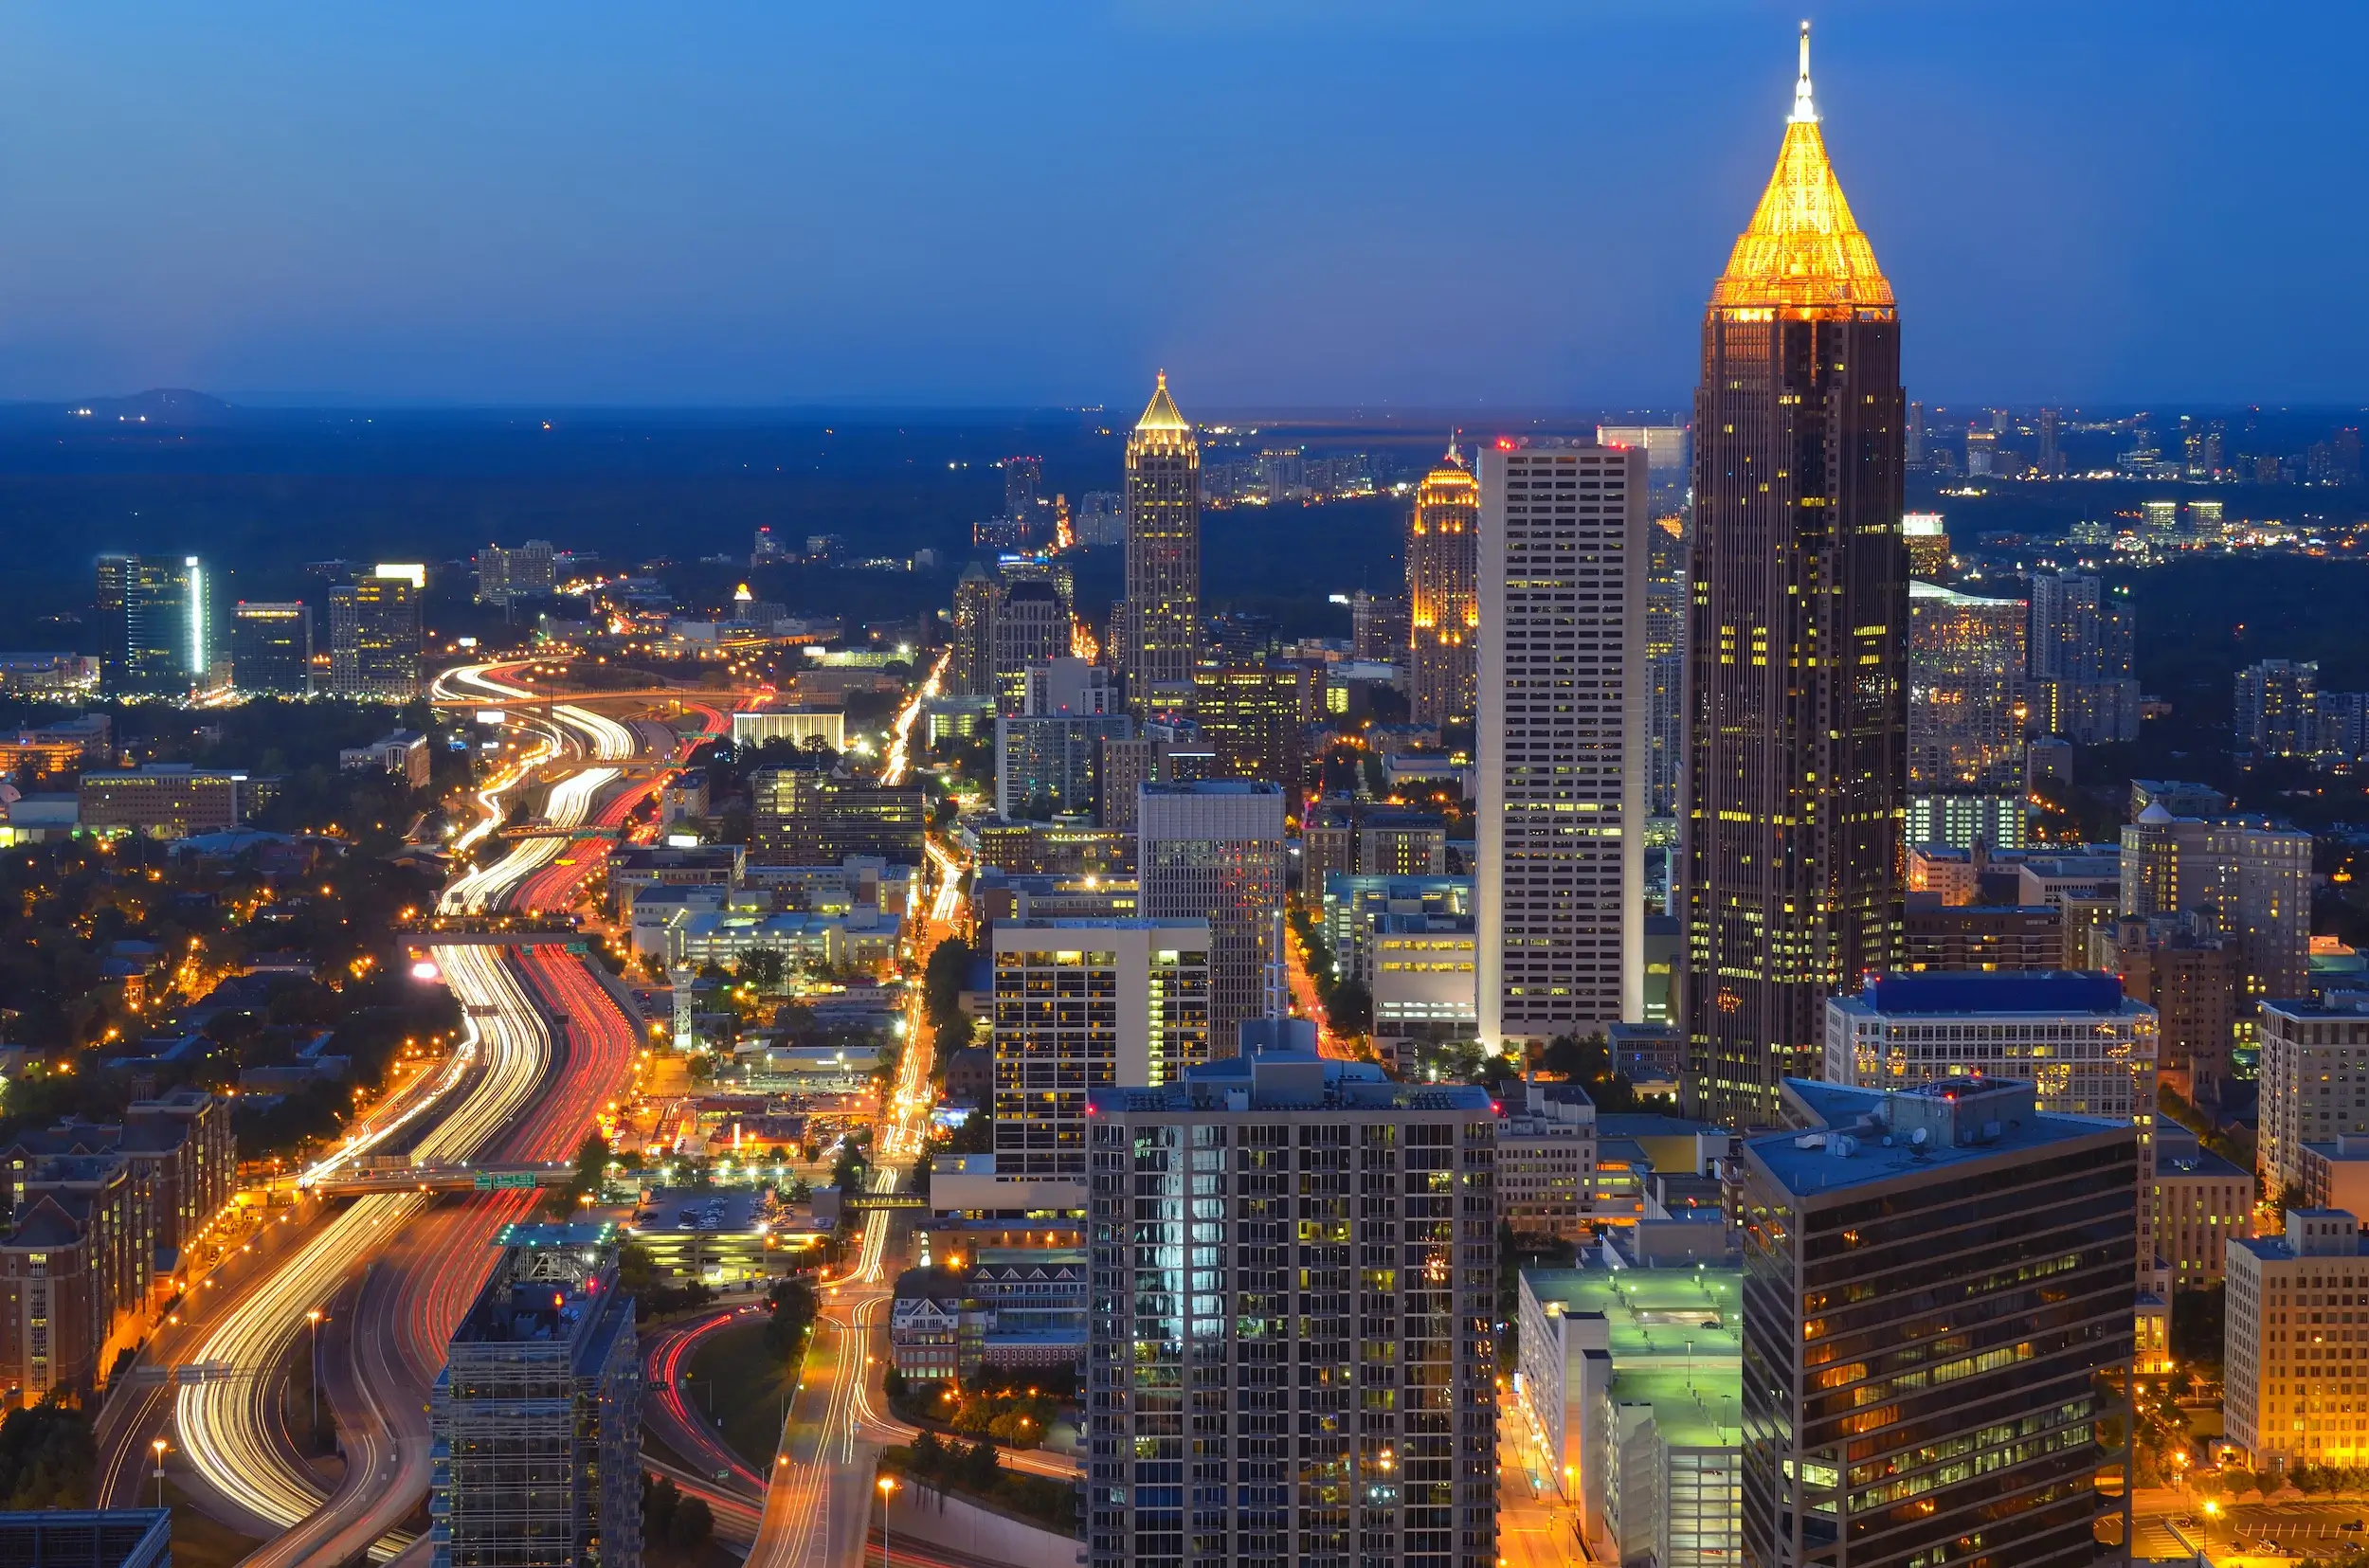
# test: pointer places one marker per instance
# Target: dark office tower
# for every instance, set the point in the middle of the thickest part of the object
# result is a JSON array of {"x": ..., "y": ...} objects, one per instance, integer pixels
[
  {"x": 1163, "y": 627},
  {"x": 1937, "y": 1307},
  {"x": 1031, "y": 631},
  {"x": 972, "y": 671},
  {"x": 1912, "y": 450},
  {"x": 2051, "y": 457},
  {"x": 374, "y": 635},
  {"x": 1442, "y": 594},
  {"x": 151, "y": 622},
  {"x": 1023, "y": 478},
  {"x": 271, "y": 647},
  {"x": 1797, "y": 768}
]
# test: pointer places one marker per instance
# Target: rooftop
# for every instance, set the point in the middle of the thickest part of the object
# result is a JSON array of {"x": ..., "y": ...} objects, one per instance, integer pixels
[
  {"x": 1972, "y": 991},
  {"x": 1675, "y": 1337},
  {"x": 1866, "y": 1135},
  {"x": 1270, "y": 1080}
]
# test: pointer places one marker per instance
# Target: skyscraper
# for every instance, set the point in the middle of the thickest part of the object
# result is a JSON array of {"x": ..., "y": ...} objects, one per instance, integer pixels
[
  {"x": 1966, "y": 690},
  {"x": 271, "y": 647},
  {"x": 1347, "y": 1398},
  {"x": 971, "y": 674},
  {"x": 2051, "y": 458},
  {"x": 1560, "y": 745},
  {"x": 2079, "y": 659},
  {"x": 374, "y": 635},
  {"x": 1023, "y": 478},
  {"x": 152, "y": 624},
  {"x": 2278, "y": 707},
  {"x": 1163, "y": 615},
  {"x": 1798, "y": 753},
  {"x": 1031, "y": 630},
  {"x": 529, "y": 569},
  {"x": 1213, "y": 850},
  {"x": 1444, "y": 609},
  {"x": 1665, "y": 664}
]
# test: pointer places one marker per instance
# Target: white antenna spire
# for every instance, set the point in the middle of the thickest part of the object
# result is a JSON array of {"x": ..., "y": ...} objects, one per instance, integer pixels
[{"x": 1805, "y": 112}]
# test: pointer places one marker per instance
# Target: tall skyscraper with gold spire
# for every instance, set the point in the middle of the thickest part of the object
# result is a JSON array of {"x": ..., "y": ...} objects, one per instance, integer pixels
[
  {"x": 1162, "y": 623},
  {"x": 1442, "y": 593},
  {"x": 1797, "y": 764}
]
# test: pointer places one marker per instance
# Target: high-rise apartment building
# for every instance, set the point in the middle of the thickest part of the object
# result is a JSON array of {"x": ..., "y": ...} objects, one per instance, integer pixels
[
  {"x": 1561, "y": 740},
  {"x": 1798, "y": 758},
  {"x": 2241, "y": 878},
  {"x": 1213, "y": 850},
  {"x": 1031, "y": 630},
  {"x": 1291, "y": 1286},
  {"x": 1442, "y": 594},
  {"x": 1051, "y": 756},
  {"x": 1927, "y": 538},
  {"x": 1088, "y": 1004},
  {"x": 271, "y": 647},
  {"x": 1966, "y": 690},
  {"x": 1162, "y": 619},
  {"x": 2194, "y": 977},
  {"x": 1914, "y": 1379},
  {"x": 153, "y": 636},
  {"x": 531, "y": 570},
  {"x": 374, "y": 635},
  {"x": 1665, "y": 664},
  {"x": 2288, "y": 1397},
  {"x": 2078, "y": 654},
  {"x": 2051, "y": 461},
  {"x": 972, "y": 671},
  {"x": 2278, "y": 709},
  {"x": 537, "y": 1414},
  {"x": 802, "y": 816},
  {"x": 2314, "y": 1076}
]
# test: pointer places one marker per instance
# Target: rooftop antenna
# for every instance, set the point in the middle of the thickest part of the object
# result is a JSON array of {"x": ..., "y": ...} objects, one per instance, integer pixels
[{"x": 1805, "y": 112}]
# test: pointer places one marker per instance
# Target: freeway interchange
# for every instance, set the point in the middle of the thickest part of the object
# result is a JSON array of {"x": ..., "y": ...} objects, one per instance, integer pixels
[{"x": 365, "y": 1272}]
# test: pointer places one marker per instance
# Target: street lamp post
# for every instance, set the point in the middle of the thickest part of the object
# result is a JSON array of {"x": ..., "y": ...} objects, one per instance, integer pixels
[
  {"x": 158, "y": 1447},
  {"x": 888, "y": 1495},
  {"x": 314, "y": 1318},
  {"x": 2212, "y": 1513}
]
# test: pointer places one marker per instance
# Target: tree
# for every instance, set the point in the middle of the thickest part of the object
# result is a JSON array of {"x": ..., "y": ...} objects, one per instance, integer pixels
[
  {"x": 660, "y": 1498},
  {"x": 1351, "y": 1008},
  {"x": 981, "y": 1465},
  {"x": 1588, "y": 1063},
  {"x": 928, "y": 1453},
  {"x": 592, "y": 1157},
  {"x": 694, "y": 1522},
  {"x": 943, "y": 980}
]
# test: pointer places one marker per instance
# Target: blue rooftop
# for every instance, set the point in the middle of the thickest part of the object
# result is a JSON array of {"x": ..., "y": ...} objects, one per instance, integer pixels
[{"x": 1994, "y": 991}]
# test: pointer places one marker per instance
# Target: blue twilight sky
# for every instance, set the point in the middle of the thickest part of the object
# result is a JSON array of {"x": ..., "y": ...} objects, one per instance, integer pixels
[{"x": 1285, "y": 203}]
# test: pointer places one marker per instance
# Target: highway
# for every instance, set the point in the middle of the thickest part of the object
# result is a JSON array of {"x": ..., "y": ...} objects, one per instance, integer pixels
[{"x": 226, "y": 1424}]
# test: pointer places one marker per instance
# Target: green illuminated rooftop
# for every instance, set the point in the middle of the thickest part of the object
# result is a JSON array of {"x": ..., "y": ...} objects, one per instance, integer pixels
[{"x": 1675, "y": 1339}]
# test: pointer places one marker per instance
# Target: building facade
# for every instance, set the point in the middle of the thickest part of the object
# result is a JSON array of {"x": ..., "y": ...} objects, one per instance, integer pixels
[
  {"x": 1161, "y": 612},
  {"x": 1856, "y": 1377},
  {"x": 2079, "y": 661},
  {"x": 1965, "y": 690},
  {"x": 1798, "y": 724},
  {"x": 271, "y": 647},
  {"x": 1214, "y": 851},
  {"x": 374, "y": 635},
  {"x": 1088, "y": 1004},
  {"x": 970, "y": 672},
  {"x": 2314, "y": 1083},
  {"x": 537, "y": 1414},
  {"x": 1277, "y": 1368},
  {"x": 153, "y": 638},
  {"x": 2291, "y": 1393},
  {"x": 1442, "y": 594},
  {"x": 1561, "y": 740}
]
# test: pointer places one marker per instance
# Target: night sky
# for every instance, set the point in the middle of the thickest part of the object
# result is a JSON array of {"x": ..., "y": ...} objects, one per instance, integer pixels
[{"x": 1431, "y": 205}]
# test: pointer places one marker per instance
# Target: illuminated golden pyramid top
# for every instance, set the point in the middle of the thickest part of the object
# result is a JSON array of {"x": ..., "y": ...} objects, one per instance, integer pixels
[
  {"x": 1162, "y": 424},
  {"x": 1802, "y": 253}
]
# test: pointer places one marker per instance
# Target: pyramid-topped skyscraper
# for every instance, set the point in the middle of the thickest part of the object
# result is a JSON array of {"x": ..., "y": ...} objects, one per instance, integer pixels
[{"x": 1797, "y": 756}]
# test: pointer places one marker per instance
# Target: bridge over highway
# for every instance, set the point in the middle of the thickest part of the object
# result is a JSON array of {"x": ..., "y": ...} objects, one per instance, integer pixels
[{"x": 396, "y": 1176}]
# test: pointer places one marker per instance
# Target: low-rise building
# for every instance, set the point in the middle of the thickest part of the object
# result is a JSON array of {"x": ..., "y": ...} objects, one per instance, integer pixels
[
  {"x": 933, "y": 1333},
  {"x": 1424, "y": 975},
  {"x": 161, "y": 799},
  {"x": 1547, "y": 1161},
  {"x": 1633, "y": 1378},
  {"x": 400, "y": 753},
  {"x": 1982, "y": 936},
  {"x": 722, "y": 1237},
  {"x": 2335, "y": 1174}
]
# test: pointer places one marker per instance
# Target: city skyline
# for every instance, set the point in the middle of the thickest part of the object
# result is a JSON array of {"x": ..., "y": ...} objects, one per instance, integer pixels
[{"x": 668, "y": 221}]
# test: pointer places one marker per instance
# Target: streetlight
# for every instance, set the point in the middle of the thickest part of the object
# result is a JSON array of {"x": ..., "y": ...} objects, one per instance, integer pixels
[
  {"x": 158, "y": 1446},
  {"x": 314, "y": 1318},
  {"x": 2212, "y": 1513},
  {"x": 888, "y": 1494}
]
